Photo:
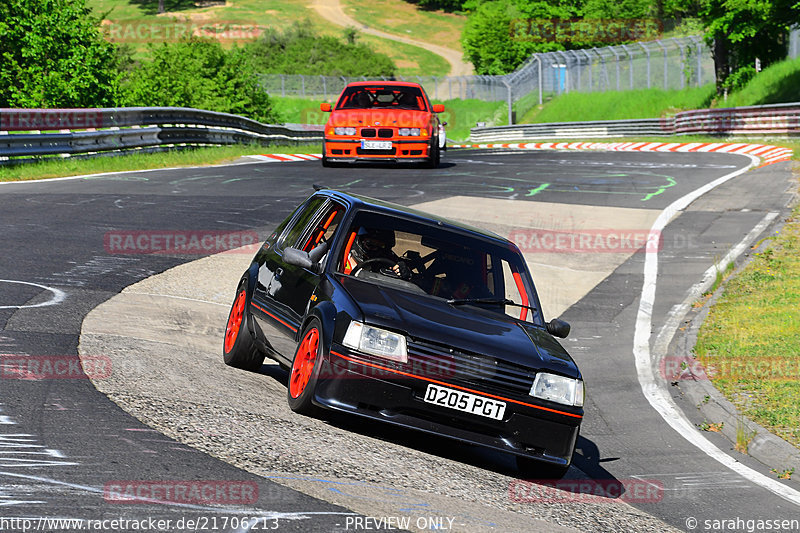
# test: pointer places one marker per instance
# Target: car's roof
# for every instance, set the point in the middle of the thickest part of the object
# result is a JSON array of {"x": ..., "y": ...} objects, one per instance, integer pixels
[
  {"x": 361, "y": 202},
  {"x": 383, "y": 82}
]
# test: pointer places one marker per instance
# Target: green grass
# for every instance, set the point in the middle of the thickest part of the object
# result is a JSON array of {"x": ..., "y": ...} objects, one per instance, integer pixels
[
  {"x": 410, "y": 60},
  {"x": 406, "y": 19},
  {"x": 752, "y": 336},
  {"x": 617, "y": 105},
  {"x": 136, "y": 23},
  {"x": 57, "y": 167},
  {"x": 776, "y": 84}
]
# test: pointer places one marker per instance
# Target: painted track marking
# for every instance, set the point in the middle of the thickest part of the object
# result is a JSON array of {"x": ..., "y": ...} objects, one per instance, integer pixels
[{"x": 659, "y": 398}]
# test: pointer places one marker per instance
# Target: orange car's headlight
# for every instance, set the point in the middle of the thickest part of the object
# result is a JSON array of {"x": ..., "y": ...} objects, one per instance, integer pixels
[
  {"x": 408, "y": 132},
  {"x": 344, "y": 130}
]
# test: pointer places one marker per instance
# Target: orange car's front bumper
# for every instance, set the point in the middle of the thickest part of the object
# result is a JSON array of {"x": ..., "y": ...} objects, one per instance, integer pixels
[{"x": 405, "y": 150}]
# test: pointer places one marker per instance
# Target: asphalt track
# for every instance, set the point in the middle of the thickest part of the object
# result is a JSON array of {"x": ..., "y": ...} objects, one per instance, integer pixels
[{"x": 63, "y": 441}]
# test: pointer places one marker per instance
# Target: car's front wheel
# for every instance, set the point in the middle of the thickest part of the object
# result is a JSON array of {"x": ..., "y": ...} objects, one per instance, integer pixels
[
  {"x": 239, "y": 348},
  {"x": 305, "y": 370},
  {"x": 434, "y": 155}
]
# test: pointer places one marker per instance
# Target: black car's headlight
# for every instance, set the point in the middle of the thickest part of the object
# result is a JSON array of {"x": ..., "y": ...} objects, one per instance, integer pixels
[
  {"x": 559, "y": 389},
  {"x": 376, "y": 341}
]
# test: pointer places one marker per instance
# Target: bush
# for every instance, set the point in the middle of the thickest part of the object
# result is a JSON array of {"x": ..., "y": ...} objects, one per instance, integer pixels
[
  {"x": 198, "y": 73},
  {"x": 298, "y": 50},
  {"x": 53, "y": 55}
]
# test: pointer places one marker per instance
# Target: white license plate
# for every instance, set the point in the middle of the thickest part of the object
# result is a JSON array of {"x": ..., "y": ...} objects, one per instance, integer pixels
[
  {"x": 376, "y": 145},
  {"x": 464, "y": 401}
]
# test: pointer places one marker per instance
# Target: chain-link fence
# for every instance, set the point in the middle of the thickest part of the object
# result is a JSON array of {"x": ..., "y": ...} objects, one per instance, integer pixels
[
  {"x": 438, "y": 87},
  {"x": 674, "y": 63}
]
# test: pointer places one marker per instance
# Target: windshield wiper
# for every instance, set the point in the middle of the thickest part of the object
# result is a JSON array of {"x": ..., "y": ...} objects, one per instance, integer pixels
[{"x": 489, "y": 301}]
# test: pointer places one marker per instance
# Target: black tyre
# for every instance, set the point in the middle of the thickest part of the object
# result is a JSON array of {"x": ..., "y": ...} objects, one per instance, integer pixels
[
  {"x": 533, "y": 469},
  {"x": 433, "y": 158},
  {"x": 238, "y": 347},
  {"x": 305, "y": 370}
]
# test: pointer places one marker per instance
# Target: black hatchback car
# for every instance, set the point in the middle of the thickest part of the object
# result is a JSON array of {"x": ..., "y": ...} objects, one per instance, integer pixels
[{"x": 397, "y": 315}]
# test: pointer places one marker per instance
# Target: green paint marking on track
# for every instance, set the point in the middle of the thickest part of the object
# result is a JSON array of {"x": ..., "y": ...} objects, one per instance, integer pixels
[
  {"x": 661, "y": 189},
  {"x": 537, "y": 190}
]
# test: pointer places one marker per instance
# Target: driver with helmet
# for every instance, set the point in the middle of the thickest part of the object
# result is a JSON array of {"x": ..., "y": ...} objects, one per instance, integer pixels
[{"x": 373, "y": 246}]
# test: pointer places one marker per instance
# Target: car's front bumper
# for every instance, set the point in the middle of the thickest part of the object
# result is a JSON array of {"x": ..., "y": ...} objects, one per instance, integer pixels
[
  {"x": 403, "y": 150},
  {"x": 526, "y": 430}
]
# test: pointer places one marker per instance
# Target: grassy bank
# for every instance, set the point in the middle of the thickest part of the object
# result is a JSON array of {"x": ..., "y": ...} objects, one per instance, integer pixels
[
  {"x": 752, "y": 336},
  {"x": 57, "y": 167},
  {"x": 618, "y": 105},
  {"x": 775, "y": 84}
]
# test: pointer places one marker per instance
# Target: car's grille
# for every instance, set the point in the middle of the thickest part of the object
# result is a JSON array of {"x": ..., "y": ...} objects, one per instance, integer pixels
[
  {"x": 449, "y": 365},
  {"x": 368, "y": 132},
  {"x": 385, "y": 133}
]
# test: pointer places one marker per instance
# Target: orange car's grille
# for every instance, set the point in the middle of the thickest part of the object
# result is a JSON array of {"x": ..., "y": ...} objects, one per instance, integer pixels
[
  {"x": 368, "y": 132},
  {"x": 385, "y": 133}
]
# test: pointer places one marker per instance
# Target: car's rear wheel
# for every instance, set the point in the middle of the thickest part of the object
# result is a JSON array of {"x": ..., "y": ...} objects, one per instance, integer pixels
[
  {"x": 239, "y": 348},
  {"x": 534, "y": 469},
  {"x": 305, "y": 369}
]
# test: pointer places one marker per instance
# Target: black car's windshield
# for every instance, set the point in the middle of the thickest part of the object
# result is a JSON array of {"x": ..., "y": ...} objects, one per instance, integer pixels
[{"x": 440, "y": 262}]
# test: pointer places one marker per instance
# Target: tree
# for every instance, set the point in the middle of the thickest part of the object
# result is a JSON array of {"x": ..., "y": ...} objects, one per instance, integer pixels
[
  {"x": 500, "y": 35},
  {"x": 741, "y": 31},
  {"x": 52, "y": 54}
]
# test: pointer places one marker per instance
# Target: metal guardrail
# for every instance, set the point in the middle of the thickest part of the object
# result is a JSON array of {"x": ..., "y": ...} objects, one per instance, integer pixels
[
  {"x": 767, "y": 120},
  {"x": 31, "y": 133}
]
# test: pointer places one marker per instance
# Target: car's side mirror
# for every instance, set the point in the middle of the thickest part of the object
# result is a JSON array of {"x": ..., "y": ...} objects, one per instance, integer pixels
[
  {"x": 438, "y": 108},
  {"x": 325, "y": 106},
  {"x": 558, "y": 328},
  {"x": 308, "y": 260}
]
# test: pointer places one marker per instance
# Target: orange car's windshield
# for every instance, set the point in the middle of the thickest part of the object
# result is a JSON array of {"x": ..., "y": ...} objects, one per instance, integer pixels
[{"x": 382, "y": 97}]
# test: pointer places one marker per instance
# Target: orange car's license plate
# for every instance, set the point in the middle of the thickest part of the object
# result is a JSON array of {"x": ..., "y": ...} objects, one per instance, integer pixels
[{"x": 376, "y": 145}]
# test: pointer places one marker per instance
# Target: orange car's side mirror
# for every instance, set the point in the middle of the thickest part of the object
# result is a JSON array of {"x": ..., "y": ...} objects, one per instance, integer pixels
[
  {"x": 438, "y": 108},
  {"x": 327, "y": 107}
]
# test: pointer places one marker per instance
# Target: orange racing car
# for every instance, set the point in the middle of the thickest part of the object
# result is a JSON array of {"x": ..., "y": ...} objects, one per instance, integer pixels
[{"x": 383, "y": 121}]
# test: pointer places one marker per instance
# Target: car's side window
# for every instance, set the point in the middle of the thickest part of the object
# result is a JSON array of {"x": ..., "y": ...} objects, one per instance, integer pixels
[
  {"x": 291, "y": 235},
  {"x": 324, "y": 227}
]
